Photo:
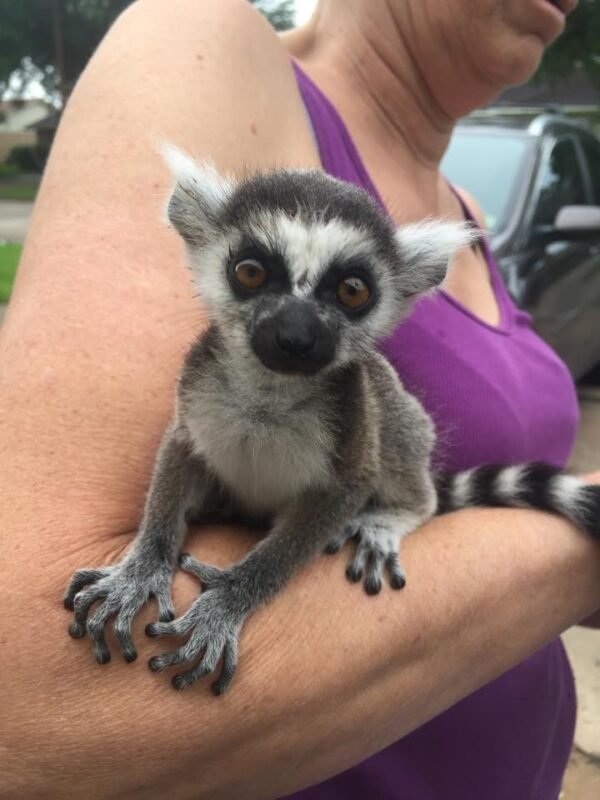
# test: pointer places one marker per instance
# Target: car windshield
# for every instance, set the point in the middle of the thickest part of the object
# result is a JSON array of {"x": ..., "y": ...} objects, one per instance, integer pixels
[{"x": 487, "y": 166}]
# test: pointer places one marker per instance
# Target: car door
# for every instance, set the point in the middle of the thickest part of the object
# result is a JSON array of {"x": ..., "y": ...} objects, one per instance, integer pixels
[{"x": 563, "y": 275}]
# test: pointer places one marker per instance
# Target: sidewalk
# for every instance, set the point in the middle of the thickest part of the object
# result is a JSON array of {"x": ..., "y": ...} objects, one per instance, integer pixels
[{"x": 14, "y": 220}]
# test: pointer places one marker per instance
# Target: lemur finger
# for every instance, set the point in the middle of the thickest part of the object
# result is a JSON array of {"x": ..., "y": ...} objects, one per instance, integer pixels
[
  {"x": 122, "y": 629},
  {"x": 166, "y": 660},
  {"x": 207, "y": 574},
  {"x": 336, "y": 543},
  {"x": 81, "y": 578},
  {"x": 177, "y": 627},
  {"x": 375, "y": 567},
  {"x": 95, "y": 629},
  {"x": 230, "y": 656},
  {"x": 187, "y": 652},
  {"x": 205, "y": 667},
  {"x": 82, "y": 603},
  {"x": 395, "y": 571},
  {"x": 356, "y": 567},
  {"x": 166, "y": 611}
]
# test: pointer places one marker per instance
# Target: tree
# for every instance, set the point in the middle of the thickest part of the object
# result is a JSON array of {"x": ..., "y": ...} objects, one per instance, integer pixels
[
  {"x": 49, "y": 42},
  {"x": 280, "y": 13},
  {"x": 578, "y": 49}
]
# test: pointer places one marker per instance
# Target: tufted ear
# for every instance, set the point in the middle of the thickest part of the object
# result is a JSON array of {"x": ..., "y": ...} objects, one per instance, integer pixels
[
  {"x": 426, "y": 250},
  {"x": 197, "y": 198}
]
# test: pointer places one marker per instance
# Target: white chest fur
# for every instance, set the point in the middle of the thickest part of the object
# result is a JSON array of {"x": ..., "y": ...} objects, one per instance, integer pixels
[{"x": 264, "y": 453}]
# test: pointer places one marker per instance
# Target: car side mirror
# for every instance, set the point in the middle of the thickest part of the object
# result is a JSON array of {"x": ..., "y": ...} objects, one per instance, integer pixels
[{"x": 574, "y": 222}]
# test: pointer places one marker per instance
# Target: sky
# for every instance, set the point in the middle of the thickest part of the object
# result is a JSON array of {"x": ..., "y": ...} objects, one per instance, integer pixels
[{"x": 304, "y": 9}]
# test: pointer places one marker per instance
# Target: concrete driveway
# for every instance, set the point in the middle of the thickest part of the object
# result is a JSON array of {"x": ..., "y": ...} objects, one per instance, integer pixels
[{"x": 14, "y": 220}]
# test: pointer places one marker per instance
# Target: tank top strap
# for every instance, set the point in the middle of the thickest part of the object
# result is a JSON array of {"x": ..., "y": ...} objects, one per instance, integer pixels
[
  {"x": 508, "y": 310},
  {"x": 339, "y": 156},
  {"x": 341, "y": 159}
]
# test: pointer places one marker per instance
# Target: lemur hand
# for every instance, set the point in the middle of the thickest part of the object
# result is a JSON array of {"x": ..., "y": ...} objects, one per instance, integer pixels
[
  {"x": 213, "y": 623},
  {"x": 377, "y": 536},
  {"x": 122, "y": 589}
]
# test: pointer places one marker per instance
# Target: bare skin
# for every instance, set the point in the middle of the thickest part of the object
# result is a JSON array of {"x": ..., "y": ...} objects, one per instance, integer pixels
[{"x": 90, "y": 350}]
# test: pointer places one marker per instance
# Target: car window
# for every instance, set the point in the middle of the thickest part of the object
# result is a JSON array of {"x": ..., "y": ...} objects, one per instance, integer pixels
[
  {"x": 561, "y": 183},
  {"x": 487, "y": 165},
  {"x": 591, "y": 149}
]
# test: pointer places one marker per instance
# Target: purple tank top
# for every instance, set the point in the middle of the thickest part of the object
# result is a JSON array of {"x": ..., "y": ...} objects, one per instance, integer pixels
[{"x": 496, "y": 394}]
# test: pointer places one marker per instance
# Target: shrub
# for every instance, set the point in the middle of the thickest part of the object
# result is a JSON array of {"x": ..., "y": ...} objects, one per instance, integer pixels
[{"x": 28, "y": 158}]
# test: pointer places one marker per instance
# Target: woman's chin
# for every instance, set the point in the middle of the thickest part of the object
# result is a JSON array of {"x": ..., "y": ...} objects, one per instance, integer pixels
[{"x": 518, "y": 64}]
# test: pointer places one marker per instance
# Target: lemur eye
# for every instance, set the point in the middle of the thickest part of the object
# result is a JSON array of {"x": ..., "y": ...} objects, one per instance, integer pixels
[
  {"x": 353, "y": 293},
  {"x": 250, "y": 274}
]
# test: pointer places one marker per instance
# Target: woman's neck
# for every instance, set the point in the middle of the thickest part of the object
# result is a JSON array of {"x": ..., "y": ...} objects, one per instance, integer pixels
[{"x": 364, "y": 61}]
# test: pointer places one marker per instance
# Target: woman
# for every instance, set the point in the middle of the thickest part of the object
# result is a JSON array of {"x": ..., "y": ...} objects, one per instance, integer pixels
[{"x": 90, "y": 351}]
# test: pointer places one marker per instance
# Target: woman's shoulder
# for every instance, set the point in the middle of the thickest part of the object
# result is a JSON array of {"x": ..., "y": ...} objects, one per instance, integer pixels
[
  {"x": 225, "y": 65},
  {"x": 472, "y": 205}
]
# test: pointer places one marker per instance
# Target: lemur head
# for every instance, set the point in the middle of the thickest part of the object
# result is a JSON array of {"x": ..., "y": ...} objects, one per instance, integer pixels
[{"x": 303, "y": 271}]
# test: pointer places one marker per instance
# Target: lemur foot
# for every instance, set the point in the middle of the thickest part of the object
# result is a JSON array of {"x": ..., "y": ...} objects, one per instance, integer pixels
[
  {"x": 122, "y": 589},
  {"x": 377, "y": 544},
  {"x": 213, "y": 623}
]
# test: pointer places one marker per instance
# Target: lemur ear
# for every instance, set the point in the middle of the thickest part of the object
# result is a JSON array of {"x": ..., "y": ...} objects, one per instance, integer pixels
[
  {"x": 197, "y": 197},
  {"x": 426, "y": 250}
]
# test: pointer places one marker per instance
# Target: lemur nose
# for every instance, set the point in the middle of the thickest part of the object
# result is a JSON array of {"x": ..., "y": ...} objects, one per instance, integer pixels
[{"x": 296, "y": 342}]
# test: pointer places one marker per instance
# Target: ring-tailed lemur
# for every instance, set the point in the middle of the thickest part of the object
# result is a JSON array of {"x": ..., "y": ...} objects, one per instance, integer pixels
[{"x": 287, "y": 412}]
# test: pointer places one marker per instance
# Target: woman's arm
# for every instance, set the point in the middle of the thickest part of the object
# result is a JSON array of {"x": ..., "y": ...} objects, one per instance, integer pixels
[
  {"x": 89, "y": 353},
  {"x": 327, "y": 675}
]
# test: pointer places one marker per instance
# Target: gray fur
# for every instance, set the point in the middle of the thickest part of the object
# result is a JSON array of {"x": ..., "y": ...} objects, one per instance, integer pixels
[{"x": 326, "y": 445}]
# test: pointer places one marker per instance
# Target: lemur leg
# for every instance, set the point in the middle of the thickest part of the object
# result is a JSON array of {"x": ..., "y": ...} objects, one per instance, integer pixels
[
  {"x": 215, "y": 619},
  {"x": 147, "y": 568},
  {"x": 378, "y": 533}
]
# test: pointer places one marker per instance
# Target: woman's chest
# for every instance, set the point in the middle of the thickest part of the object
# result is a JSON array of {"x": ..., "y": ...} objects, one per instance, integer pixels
[{"x": 494, "y": 396}]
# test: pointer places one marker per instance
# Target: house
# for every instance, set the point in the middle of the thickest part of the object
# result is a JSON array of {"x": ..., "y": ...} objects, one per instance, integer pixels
[{"x": 16, "y": 119}]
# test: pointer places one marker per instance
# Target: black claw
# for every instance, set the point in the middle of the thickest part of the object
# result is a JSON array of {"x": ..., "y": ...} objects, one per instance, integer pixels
[
  {"x": 151, "y": 630},
  {"x": 166, "y": 616},
  {"x": 154, "y": 664},
  {"x": 397, "y": 582},
  {"x": 130, "y": 655},
  {"x": 354, "y": 574},
  {"x": 76, "y": 630},
  {"x": 179, "y": 683},
  {"x": 68, "y": 604},
  {"x": 218, "y": 688},
  {"x": 332, "y": 548},
  {"x": 372, "y": 586},
  {"x": 103, "y": 657},
  {"x": 182, "y": 558}
]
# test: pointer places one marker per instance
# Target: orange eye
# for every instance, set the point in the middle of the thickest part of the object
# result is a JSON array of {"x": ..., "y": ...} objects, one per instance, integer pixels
[
  {"x": 353, "y": 293},
  {"x": 250, "y": 274}
]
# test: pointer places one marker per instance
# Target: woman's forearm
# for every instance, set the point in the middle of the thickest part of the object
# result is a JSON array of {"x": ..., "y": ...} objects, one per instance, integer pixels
[{"x": 327, "y": 675}]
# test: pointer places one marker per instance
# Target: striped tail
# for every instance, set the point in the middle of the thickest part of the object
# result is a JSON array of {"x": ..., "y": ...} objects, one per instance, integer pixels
[{"x": 531, "y": 485}]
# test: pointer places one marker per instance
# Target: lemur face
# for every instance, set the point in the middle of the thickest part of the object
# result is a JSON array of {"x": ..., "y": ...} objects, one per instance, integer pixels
[
  {"x": 308, "y": 293},
  {"x": 301, "y": 271}
]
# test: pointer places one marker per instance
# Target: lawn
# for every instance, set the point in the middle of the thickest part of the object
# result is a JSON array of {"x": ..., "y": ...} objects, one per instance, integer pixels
[
  {"x": 9, "y": 260},
  {"x": 16, "y": 191}
]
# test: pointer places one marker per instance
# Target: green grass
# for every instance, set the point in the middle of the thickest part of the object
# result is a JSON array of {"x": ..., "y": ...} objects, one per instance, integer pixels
[
  {"x": 15, "y": 191},
  {"x": 8, "y": 170},
  {"x": 9, "y": 261}
]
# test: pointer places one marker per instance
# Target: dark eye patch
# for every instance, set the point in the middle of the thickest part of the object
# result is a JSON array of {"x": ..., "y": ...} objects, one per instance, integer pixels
[
  {"x": 327, "y": 288},
  {"x": 277, "y": 281}
]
